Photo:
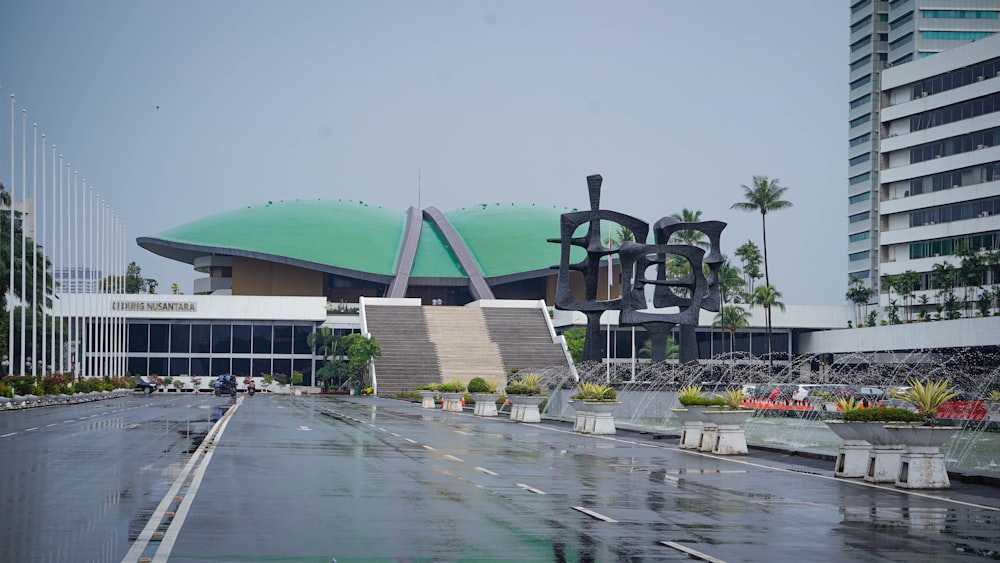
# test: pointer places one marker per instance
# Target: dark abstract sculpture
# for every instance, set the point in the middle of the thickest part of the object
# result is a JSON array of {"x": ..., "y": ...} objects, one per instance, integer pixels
[{"x": 690, "y": 295}]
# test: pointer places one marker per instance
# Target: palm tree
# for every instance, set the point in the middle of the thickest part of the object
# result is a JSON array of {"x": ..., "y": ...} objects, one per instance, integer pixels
[
  {"x": 749, "y": 254},
  {"x": 767, "y": 296},
  {"x": 764, "y": 196},
  {"x": 860, "y": 295},
  {"x": 671, "y": 352},
  {"x": 731, "y": 317},
  {"x": 325, "y": 342},
  {"x": 689, "y": 236},
  {"x": 730, "y": 282},
  {"x": 624, "y": 233}
]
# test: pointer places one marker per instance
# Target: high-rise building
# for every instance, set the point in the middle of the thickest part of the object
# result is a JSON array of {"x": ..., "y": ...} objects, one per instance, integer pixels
[
  {"x": 939, "y": 197},
  {"x": 886, "y": 34}
]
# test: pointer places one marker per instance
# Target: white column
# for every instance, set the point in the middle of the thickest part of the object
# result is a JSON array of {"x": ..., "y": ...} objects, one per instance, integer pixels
[{"x": 24, "y": 203}]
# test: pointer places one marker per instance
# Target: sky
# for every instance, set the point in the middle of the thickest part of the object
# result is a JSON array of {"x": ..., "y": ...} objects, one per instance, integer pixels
[{"x": 180, "y": 110}]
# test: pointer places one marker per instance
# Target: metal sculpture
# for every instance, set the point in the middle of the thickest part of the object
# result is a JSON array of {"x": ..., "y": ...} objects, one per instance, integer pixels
[{"x": 689, "y": 295}]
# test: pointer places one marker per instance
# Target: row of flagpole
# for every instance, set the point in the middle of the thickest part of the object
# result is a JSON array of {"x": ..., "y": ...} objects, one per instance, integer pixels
[{"x": 82, "y": 237}]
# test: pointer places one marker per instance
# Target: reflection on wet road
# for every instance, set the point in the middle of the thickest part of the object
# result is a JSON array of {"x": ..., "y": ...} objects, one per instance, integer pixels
[{"x": 316, "y": 478}]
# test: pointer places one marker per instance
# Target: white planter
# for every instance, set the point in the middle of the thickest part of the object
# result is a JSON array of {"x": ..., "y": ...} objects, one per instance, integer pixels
[
  {"x": 453, "y": 401},
  {"x": 524, "y": 408},
  {"x": 853, "y": 453},
  {"x": 486, "y": 404},
  {"x": 692, "y": 426},
  {"x": 729, "y": 436},
  {"x": 594, "y": 417},
  {"x": 883, "y": 459},
  {"x": 427, "y": 399},
  {"x": 921, "y": 466}
]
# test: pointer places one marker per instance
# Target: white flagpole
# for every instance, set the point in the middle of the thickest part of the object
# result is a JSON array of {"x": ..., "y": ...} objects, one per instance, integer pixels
[
  {"x": 24, "y": 204},
  {"x": 607, "y": 373},
  {"x": 45, "y": 240},
  {"x": 10, "y": 283},
  {"x": 34, "y": 250}
]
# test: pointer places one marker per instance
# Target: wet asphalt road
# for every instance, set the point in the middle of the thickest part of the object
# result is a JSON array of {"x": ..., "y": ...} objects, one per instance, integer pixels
[{"x": 284, "y": 478}]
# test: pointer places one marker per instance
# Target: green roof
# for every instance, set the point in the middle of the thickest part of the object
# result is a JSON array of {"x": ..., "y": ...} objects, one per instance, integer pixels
[
  {"x": 503, "y": 239},
  {"x": 348, "y": 234}
]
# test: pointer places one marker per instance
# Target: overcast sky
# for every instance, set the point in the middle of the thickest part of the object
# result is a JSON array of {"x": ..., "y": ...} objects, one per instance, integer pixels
[{"x": 675, "y": 103}]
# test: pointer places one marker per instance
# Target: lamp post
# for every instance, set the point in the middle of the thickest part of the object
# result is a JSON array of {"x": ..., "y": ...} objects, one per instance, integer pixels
[{"x": 6, "y": 364}]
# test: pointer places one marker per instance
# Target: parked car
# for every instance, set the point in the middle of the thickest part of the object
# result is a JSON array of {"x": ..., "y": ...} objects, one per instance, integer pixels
[{"x": 143, "y": 386}]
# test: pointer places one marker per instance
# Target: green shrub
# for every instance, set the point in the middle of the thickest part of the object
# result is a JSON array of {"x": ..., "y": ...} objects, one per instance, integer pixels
[
  {"x": 452, "y": 387},
  {"x": 595, "y": 392},
  {"x": 427, "y": 387},
  {"x": 408, "y": 396},
  {"x": 690, "y": 395},
  {"x": 480, "y": 385},
  {"x": 884, "y": 414}
]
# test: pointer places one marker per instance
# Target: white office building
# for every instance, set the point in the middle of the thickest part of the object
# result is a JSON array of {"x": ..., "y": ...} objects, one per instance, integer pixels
[
  {"x": 888, "y": 34},
  {"x": 939, "y": 181}
]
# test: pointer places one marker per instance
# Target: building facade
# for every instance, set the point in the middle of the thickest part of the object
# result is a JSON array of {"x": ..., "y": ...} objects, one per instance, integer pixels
[
  {"x": 886, "y": 34},
  {"x": 939, "y": 185}
]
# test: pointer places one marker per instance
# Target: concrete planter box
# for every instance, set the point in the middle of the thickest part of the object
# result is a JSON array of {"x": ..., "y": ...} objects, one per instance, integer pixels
[
  {"x": 427, "y": 399},
  {"x": 922, "y": 465},
  {"x": 524, "y": 408},
  {"x": 486, "y": 404},
  {"x": 883, "y": 460},
  {"x": 594, "y": 417},
  {"x": 693, "y": 425},
  {"x": 453, "y": 401},
  {"x": 729, "y": 436},
  {"x": 852, "y": 455}
]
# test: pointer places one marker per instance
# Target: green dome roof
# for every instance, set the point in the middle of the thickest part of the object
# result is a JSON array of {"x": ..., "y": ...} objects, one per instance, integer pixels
[{"x": 349, "y": 236}]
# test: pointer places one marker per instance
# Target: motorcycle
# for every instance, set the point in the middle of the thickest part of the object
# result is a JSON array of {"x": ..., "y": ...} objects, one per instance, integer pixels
[{"x": 251, "y": 390}]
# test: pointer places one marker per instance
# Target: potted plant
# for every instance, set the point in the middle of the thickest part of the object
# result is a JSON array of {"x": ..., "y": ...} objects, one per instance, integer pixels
[
  {"x": 854, "y": 451},
  {"x": 694, "y": 432},
  {"x": 168, "y": 382},
  {"x": 993, "y": 405},
  {"x": 453, "y": 392},
  {"x": 594, "y": 404},
  {"x": 922, "y": 465},
  {"x": 525, "y": 395},
  {"x": 428, "y": 392},
  {"x": 730, "y": 438},
  {"x": 484, "y": 393}
]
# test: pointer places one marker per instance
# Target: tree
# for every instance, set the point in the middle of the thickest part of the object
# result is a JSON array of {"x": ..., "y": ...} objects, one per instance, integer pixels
[
  {"x": 749, "y": 254},
  {"x": 360, "y": 353},
  {"x": 325, "y": 342},
  {"x": 944, "y": 277},
  {"x": 970, "y": 272},
  {"x": 767, "y": 296},
  {"x": 731, "y": 318},
  {"x": 624, "y": 233},
  {"x": 574, "y": 342},
  {"x": 672, "y": 350},
  {"x": 689, "y": 237},
  {"x": 764, "y": 196},
  {"x": 730, "y": 282},
  {"x": 35, "y": 285},
  {"x": 860, "y": 295},
  {"x": 134, "y": 282}
]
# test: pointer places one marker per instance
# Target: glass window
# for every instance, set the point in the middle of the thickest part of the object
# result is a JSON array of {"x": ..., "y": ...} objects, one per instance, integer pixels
[
  {"x": 861, "y": 24},
  {"x": 860, "y": 158},
  {"x": 138, "y": 338},
  {"x": 302, "y": 333},
  {"x": 957, "y": 35},
  {"x": 262, "y": 339},
  {"x": 901, "y": 21},
  {"x": 159, "y": 337},
  {"x": 861, "y": 82},
  {"x": 861, "y": 43},
  {"x": 241, "y": 367},
  {"x": 902, "y": 41},
  {"x": 199, "y": 366},
  {"x": 158, "y": 366},
  {"x": 857, "y": 218},
  {"x": 282, "y": 340},
  {"x": 201, "y": 339},
  {"x": 860, "y": 120},
  {"x": 860, "y": 140},
  {"x": 282, "y": 366},
  {"x": 179, "y": 366},
  {"x": 242, "y": 335},
  {"x": 863, "y": 255},
  {"x": 863, "y": 235},
  {"x": 865, "y": 60},
  {"x": 222, "y": 338},
  {"x": 860, "y": 197},
  {"x": 136, "y": 365},
  {"x": 861, "y": 101},
  {"x": 180, "y": 338},
  {"x": 220, "y": 366},
  {"x": 860, "y": 6},
  {"x": 260, "y": 367},
  {"x": 861, "y": 178}
]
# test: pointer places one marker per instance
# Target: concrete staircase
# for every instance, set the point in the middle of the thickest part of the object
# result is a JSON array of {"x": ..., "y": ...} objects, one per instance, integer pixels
[
  {"x": 408, "y": 357},
  {"x": 439, "y": 344},
  {"x": 464, "y": 348},
  {"x": 522, "y": 334}
]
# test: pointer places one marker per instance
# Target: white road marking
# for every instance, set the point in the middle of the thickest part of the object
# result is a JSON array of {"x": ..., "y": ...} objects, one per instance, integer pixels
[
  {"x": 692, "y": 552},
  {"x": 593, "y": 514},
  {"x": 531, "y": 489},
  {"x": 426, "y": 447},
  {"x": 8, "y": 434},
  {"x": 463, "y": 432},
  {"x": 450, "y": 457},
  {"x": 306, "y": 428},
  {"x": 486, "y": 471},
  {"x": 53, "y": 424},
  {"x": 394, "y": 434},
  {"x": 30, "y": 429},
  {"x": 410, "y": 441}
]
